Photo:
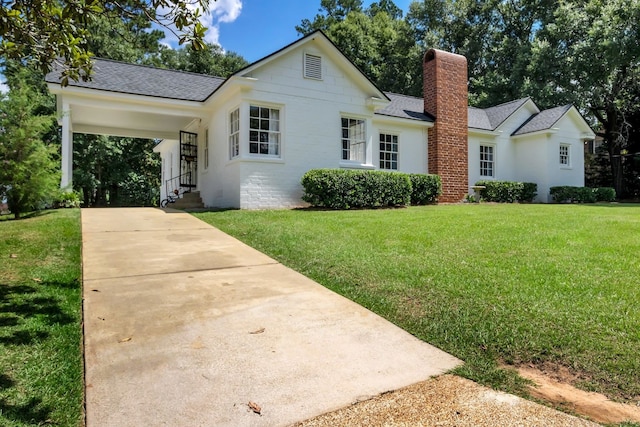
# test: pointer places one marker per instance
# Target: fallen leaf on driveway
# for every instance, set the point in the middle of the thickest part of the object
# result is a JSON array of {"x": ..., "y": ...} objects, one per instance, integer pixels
[
  {"x": 255, "y": 407},
  {"x": 125, "y": 339},
  {"x": 94, "y": 290},
  {"x": 259, "y": 331}
]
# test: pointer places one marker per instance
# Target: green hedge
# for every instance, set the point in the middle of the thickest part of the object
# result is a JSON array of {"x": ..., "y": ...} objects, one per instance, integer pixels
[
  {"x": 347, "y": 189},
  {"x": 508, "y": 191},
  {"x": 569, "y": 194},
  {"x": 425, "y": 189}
]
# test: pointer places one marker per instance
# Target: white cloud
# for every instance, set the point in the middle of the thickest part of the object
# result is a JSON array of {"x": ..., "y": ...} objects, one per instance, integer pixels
[
  {"x": 225, "y": 10},
  {"x": 4, "y": 87},
  {"x": 220, "y": 11}
]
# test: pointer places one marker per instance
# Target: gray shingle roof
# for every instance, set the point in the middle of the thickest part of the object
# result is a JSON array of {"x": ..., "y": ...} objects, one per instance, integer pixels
[
  {"x": 405, "y": 107},
  {"x": 478, "y": 119},
  {"x": 492, "y": 117},
  {"x": 543, "y": 120},
  {"x": 114, "y": 76}
]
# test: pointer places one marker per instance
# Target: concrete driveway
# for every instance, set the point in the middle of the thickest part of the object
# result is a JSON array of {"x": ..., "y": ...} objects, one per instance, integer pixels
[{"x": 185, "y": 326}]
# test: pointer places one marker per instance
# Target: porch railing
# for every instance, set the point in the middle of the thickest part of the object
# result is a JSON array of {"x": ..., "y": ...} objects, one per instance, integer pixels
[{"x": 178, "y": 185}]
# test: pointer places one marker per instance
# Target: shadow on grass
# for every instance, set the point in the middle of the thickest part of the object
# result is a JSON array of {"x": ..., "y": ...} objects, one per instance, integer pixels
[
  {"x": 30, "y": 412},
  {"x": 26, "y": 315},
  {"x": 21, "y": 303},
  {"x": 10, "y": 217}
]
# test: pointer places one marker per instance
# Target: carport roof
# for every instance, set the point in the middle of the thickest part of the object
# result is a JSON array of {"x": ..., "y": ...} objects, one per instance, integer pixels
[{"x": 121, "y": 77}]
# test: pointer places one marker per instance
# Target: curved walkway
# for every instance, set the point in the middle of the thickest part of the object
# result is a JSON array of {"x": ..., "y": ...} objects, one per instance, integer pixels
[{"x": 186, "y": 326}]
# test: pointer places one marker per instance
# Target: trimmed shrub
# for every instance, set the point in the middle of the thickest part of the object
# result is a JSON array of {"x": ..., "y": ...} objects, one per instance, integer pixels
[
  {"x": 508, "y": 191},
  {"x": 425, "y": 189},
  {"x": 347, "y": 189},
  {"x": 605, "y": 194},
  {"x": 569, "y": 194}
]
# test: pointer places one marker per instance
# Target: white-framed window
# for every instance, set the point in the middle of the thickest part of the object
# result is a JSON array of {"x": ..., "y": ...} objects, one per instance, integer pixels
[
  {"x": 205, "y": 152},
  {"x": 234, "y": 133},
  {"x": 353, "y": 139},
  {"x": 487, "y": 161},
  {"x": 264, "y": 131},
  {"x": 312, "y": 66},
  {"x": 565, "y": 155},
  {"x": 388, "y": 151}
]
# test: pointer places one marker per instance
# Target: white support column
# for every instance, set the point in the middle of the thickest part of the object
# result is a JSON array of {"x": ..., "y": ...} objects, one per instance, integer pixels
[{"x": 66, "y": 183}]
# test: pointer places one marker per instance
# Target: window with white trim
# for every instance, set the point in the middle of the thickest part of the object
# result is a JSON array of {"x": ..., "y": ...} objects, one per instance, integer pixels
[
  {"x": 565, "y": 157},
  {"x": 234, "y": 133},
  {"x": 388, "y": 151},
  {"x": 353, "y": 140},
  {"x": 264, "y": 131},
  {"x": 206, "y": 148},
  {"x": 487, "y": 161}
]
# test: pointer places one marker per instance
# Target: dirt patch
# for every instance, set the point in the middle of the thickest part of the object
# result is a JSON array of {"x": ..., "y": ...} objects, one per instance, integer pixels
[{"x": 553, "y": 385}]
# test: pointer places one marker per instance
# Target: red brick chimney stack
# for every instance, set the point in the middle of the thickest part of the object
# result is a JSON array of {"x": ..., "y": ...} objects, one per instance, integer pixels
[{"x": 445, "y": 98}]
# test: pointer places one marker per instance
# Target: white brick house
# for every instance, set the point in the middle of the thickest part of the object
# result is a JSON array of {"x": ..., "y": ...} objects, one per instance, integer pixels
[{"x": 246, "y": 141}]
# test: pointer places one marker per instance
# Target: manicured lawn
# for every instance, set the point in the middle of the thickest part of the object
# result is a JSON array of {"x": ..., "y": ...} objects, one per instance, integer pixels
[
  {"x": 40, "y": 325},
  {"x": 547, "y": 285}
]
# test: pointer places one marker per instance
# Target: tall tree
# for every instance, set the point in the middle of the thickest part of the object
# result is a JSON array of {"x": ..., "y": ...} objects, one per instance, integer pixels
[
  {"x": 374, "y": 39},
  {"x": 44, "y": 31},
  {"x": 590, "y": 56},
  {"x": 28, "y": 172}
]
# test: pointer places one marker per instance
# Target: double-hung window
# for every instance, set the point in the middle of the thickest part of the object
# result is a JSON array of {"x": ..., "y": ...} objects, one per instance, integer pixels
[
  {"x": 264, "y": 131},
  {"x": 388, "y": 151},
  {"x": 565, "y": 158},
  {"x": 353, "y": 140},
  {"x": 487, "y": 161},
  {"x": 234, "y": 133}
]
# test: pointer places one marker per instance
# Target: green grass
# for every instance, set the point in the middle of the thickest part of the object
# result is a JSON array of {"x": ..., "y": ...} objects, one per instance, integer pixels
[
  {"x": 40, "y": 318},
  {"x": 548, "y": 285}
]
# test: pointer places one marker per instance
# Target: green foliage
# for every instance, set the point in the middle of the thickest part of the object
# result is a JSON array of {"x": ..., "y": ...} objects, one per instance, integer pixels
[
  {"x": 44, "y": 32},
  {"x": 112, "y": 171},
  {"x": 425, "y": 189},
  {"x": 375, "y": 39},
  {"x": 507, "y": 191},
  {"x": 348, "y": 189},
  {"x": 569, "y": 194},
  {"x": 605, "y": 194},
  {"x": 29, "y": 173},
  {"x": 211, "y": 60},
  {"x": 66, "y": 199}
]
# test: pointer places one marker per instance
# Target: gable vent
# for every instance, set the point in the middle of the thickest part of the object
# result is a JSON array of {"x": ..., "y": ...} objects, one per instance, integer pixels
[{"x": 312, "y": 66}]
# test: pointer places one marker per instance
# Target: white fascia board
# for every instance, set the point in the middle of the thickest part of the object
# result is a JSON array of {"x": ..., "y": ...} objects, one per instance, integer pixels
[
  {"x": 122, "y": 101},
  {"x": 545, "y": 132},
  {"x": 381, "y": 118},
  {"x": 484, "y": 132},
  {"x": 375, "y": 103},
  {"x": 229, "y": 88},
  {"x": 126, "y": 133}
]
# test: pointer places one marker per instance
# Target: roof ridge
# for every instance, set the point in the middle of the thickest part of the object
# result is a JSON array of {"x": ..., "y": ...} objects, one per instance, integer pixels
[{"x": 519, "y": 100}]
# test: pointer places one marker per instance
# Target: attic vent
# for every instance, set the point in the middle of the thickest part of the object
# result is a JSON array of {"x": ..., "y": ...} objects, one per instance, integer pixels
[{"x": 312, "y": 66}]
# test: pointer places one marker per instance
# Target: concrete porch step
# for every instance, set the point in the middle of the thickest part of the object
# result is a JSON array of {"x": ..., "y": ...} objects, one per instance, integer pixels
[{"x": 190, "y": 200}]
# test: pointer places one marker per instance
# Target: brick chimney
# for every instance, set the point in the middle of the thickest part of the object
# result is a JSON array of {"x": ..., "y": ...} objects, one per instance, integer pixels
[{"x": 445, "y": 98}]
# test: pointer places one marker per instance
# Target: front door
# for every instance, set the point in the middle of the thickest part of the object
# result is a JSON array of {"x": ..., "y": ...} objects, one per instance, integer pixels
[{"x": 188, "y": 159}]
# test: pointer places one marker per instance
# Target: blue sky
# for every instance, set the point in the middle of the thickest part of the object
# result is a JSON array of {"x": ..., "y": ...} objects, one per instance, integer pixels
[{"x": 256, "y": 28}]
